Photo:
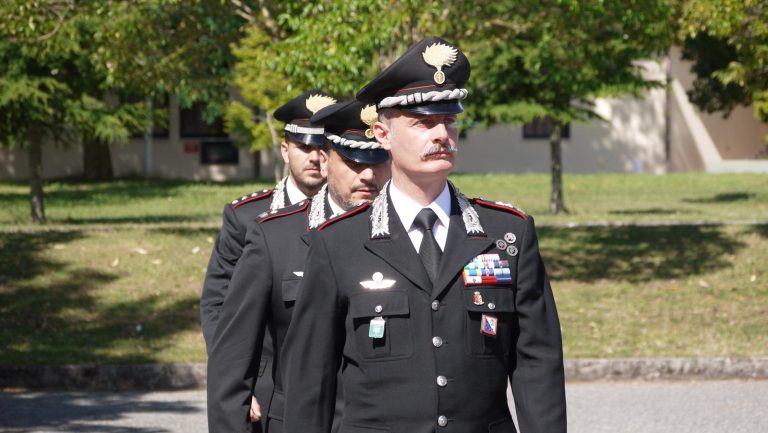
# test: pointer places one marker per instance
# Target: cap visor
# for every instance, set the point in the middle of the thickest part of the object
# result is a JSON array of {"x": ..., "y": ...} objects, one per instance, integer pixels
[
  {"x": 446, "y": 107},
  {"x": 307, "y": 139},
  {"x": 363, "y": 156}
]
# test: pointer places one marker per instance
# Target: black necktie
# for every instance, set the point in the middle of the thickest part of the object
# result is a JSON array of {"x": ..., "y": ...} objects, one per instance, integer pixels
[{"x": 429, "y": 251}]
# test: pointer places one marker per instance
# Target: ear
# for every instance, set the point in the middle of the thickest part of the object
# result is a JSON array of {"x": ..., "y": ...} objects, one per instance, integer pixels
[
  {"x": 382, "y": 133},
  {"x": 284, "y": 151},
  {"x": 324, "y": 163}
]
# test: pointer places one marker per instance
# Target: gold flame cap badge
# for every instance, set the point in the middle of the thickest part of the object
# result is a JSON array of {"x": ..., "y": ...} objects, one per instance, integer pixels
[{"x": 439, "y": 55}]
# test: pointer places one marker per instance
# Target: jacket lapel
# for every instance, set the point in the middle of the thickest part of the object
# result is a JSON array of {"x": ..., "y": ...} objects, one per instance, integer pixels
[
  {"x": 459, "y": 250},
  {"x": 397, "y": 250}
]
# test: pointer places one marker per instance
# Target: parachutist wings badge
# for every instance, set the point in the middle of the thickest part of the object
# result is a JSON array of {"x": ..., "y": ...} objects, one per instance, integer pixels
[
  {"x": 377, "y": 282},
  {"x": 439, "y": 55},
  {"x": 317, "y": 102}
]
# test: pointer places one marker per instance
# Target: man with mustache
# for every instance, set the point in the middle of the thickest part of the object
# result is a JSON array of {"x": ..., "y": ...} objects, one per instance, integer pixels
[
  {"x": 300, "y": 150},
  {"x": 265, "y": 282},
  {"x": 430, "y": 303}
]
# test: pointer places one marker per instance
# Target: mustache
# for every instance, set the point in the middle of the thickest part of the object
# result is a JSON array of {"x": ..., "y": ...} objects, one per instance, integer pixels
[
  {"x": 366, "y": 185},
  {"x": 439, "y": 148}
]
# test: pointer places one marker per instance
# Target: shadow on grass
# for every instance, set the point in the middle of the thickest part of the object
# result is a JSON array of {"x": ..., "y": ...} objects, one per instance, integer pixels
[
  {"x": 649, "y": 211},
  {"x": 85, "y": 412},
  {"x": 727, "y": 197},
  {"x": 635, "y": 254},
  {"x": 761, "y": 229},
  {"x": 139, "y": 219},
  {"x": 53, "y": 312}
]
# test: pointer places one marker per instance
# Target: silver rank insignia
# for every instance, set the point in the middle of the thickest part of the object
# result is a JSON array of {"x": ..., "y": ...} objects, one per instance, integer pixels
[
  {"x": 500, "y": 244},
  {"x": 376, "y": 328},
  {"x": 377, "y": 282},
  {"x": 510, "y": 238}
]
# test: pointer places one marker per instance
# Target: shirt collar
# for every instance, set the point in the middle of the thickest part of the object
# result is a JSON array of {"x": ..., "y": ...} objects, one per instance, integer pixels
[
  {"x": 294, "y": 193},
  {"x": 335, "y": 208},
  {"x": 407, "y": 208}
]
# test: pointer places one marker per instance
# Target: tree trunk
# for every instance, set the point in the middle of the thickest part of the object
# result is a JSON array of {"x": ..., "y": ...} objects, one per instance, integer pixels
[
  {"x": 278, "y": 171},
  {"x": 35, "y": 152},
  {"x": 556, "y": 204},
  {"x": 97, "y": 161}
]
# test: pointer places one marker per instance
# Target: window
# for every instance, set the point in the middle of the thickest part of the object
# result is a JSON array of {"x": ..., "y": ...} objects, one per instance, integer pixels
[
  {"x": 193, "y": 124},
  {"x": 219, "y": 152},
  {"x": 541, "y": 127}
]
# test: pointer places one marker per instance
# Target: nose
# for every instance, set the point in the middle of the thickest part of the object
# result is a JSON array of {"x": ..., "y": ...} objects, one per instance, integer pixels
[
  {"x": 366, "y": 174},
  {"x": 314, "y": 155},
  {"x": 439, "y": 133}
]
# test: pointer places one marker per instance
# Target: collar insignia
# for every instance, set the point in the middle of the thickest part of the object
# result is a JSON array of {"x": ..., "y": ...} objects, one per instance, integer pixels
[
  {"x": 380, "y": 214},
  {"x": 317, "y": 209},
  {"x": 298, "y": 273},
  {"x": 377, "y": 282},
  {"x": 278, "y": 196}
]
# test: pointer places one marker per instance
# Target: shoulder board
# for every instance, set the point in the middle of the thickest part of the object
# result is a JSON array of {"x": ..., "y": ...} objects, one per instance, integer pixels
[
  {"x": 258, "y": 195},
  {"x": 501, "y": 206},
  {"x": 344, "y": 215},
  {"x": 290, "y": 210}
]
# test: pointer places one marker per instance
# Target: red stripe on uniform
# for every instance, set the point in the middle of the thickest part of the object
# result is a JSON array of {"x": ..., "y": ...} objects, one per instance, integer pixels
[
  {"x": 344, "y": 215},
  {"x": 501, "y": 207},
  {"x": 248, "y": 200},
  {"x": 278, "y": 215}
]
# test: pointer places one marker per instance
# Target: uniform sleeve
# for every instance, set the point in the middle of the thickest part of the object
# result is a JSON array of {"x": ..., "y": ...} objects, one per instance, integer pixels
[
  {"x": 536, "y": 369},
  {"x": 312, "y": 347},
  {"x": 233, "y": 361},
  {"x": 226, "y": 252}
]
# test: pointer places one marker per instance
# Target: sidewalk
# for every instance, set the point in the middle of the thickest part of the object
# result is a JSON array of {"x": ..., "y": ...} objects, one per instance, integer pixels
[{"x": 193, "y": 376}]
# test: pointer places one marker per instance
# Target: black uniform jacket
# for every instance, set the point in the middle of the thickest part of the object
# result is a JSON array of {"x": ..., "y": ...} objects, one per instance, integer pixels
[
  {"x": 433, "y": 370},
  {"x": 226, "y": 252},
  {"x": 260, "y": 301}
]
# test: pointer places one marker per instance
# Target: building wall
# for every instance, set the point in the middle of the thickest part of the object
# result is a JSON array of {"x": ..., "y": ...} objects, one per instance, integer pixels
[
  {"x": 173, "y": 157},
  {"x": 740, "y": 136},
  {"x": 630, "y": 139}
]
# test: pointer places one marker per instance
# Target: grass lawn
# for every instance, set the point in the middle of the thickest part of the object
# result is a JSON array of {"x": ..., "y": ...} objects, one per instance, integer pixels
[
  {"x": 128, "y": 292},
  {"x": 605, "y": 197}
]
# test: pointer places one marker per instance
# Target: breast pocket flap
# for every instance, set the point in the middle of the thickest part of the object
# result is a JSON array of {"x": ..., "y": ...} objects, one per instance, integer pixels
[
  {"x": 489, "y": 300},
  {"x": 384, "y": 303}
]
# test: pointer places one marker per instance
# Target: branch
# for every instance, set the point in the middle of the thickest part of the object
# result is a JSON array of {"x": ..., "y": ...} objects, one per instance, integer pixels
[
  {"x": 244, "y": 11},
  {"x": 268, "y": 20},
  {"x": 60, "y": 14}
]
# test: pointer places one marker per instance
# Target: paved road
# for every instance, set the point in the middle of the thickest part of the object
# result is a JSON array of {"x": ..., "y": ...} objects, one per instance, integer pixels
[{"x": 642, "y": 407}]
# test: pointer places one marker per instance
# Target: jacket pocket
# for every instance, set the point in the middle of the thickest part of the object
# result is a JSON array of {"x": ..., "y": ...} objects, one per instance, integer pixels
[
  {"x": 502, "y": 426},
  {"x": 290, "y": 289},
  {"x": 489, "y": 320},
  {"x": 352, "y": 428},
  {"x": 392, "y": 307}
]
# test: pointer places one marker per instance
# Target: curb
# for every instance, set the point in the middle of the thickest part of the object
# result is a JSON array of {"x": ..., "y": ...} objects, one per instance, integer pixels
[
  {"x": 618, "y": 369},
  {"x": 152, "y": 377}
]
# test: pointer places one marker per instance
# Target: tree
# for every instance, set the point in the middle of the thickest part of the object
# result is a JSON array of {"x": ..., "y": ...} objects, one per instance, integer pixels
[
  {"x": 529, "y": 58},
  {"x": 68, "y": 63},
  {"x": 728, "y": 42},
  {"x": 552, "y": 58},
  {"x": 333, "y": 45}
]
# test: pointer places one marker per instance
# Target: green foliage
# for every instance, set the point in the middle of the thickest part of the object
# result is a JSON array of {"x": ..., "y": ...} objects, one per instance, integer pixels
[
  {"x": 333, "y": 45},
  {"x": 728, "y": 41},
  {"x": 533, "y": 58}
]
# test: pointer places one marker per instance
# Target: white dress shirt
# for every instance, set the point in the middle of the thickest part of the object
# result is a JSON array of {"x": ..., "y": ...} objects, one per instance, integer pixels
[
  {"x": 294, "y": 193},
  {"x": 407, "y": 209},
  {"x": 335, "y": 209}
]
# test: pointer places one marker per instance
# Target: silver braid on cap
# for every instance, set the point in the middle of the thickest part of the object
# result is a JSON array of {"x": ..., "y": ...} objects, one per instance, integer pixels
[
  {"x": 354, "y": 144},
  {"x": 418, "y": 98}
]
